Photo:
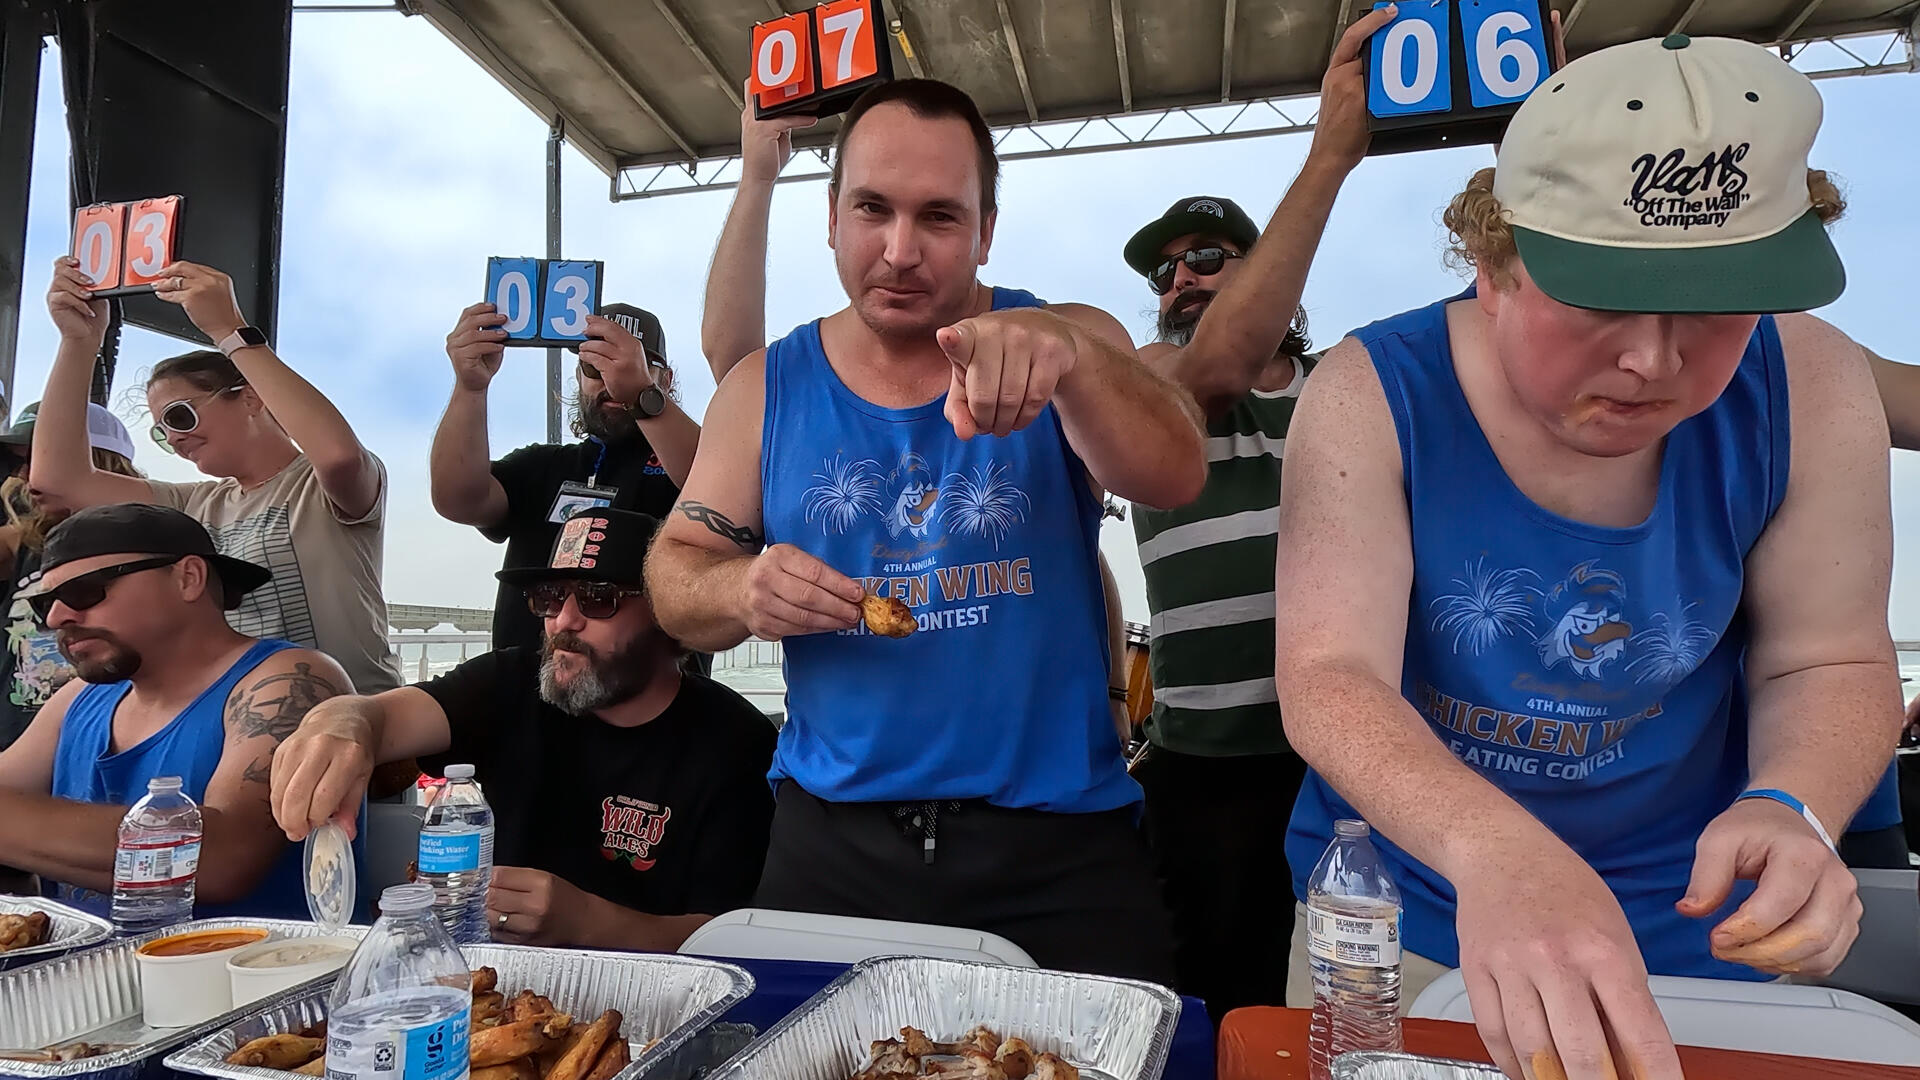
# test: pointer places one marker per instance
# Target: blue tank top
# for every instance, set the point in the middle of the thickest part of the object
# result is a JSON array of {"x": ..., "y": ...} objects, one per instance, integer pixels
[
  {"x": 1590, "y": 673},
  {"x": 1001, "y": 692},
  {"x": 85, "y": 769}
]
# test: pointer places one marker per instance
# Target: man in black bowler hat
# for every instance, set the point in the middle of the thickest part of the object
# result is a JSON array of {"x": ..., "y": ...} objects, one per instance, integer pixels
[{"x": 630, "y": 798}]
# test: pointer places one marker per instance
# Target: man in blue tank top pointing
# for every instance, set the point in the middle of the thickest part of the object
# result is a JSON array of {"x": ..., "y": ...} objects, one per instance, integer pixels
[
  {"x": 1531, "y": 534},
  {"x": 945, "y": 445}
]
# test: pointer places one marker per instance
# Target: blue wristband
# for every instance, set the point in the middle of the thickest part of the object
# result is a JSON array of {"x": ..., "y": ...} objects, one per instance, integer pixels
[{"x": 1795, "y": 805}]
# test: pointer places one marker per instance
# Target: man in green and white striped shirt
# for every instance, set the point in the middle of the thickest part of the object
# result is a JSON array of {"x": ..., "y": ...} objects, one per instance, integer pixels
[{"x": 1219, "y": 777}]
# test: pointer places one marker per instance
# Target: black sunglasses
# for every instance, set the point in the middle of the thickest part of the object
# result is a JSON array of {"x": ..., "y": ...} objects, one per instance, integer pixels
[
  {"x": 181, "y": 417},
  {"x": 592, "y": 372},
  {"x": 597, "y": 599},
  {"x": 88, "y": 589},
  {"x": 1205, "y": 262}
]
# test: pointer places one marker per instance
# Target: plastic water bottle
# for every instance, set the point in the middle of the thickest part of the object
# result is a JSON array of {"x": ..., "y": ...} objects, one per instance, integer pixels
[
  {"x": 156, "y": 859},
  {"x": 456, "y": 855},
  {"x": 1353, "y": 947},
  {"x": 402, "y": 1005}
]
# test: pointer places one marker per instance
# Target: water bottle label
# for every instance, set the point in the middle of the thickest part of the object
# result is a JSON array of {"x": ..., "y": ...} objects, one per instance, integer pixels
[
  {"x": 430, "y": 1052},
  {"x": 444, "y": 853},
  {"x": 1350, "y": 939},
  {"x": 152, "y": 866}
]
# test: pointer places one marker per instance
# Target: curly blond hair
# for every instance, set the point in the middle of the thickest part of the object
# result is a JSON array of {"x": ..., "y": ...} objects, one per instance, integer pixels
[{"x": 1479, "y": 234}]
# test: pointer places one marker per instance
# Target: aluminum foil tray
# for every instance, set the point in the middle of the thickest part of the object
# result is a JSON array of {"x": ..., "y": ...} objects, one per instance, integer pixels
[
  {"x": 1372, "y": 1065},
  {"x": 660, "y": 997},
  {"x": 1111, "y": 1029},
  {"x": 70, "y": 929},
  {"x": 93, "y": 995}
]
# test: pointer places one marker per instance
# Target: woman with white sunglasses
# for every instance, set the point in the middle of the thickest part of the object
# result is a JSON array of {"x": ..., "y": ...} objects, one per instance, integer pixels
[{"x": 293, "y": 488}]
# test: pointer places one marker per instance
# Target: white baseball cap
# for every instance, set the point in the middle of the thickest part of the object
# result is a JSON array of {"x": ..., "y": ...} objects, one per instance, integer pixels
[
  {"x": 104, "y": 430},
  {"x": 1670, "y": 176}
]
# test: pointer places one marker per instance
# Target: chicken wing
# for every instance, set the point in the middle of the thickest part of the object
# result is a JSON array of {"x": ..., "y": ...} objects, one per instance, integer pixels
[
  {"x": 489, "y": 1008},
  {"x": 617, "y": 1055},
  {"x": 1016, "y": 1057},
  {"x": 974, "y": 1064},
  {"x": 890, "y": 1058},
  {"x": 887, "y": 616},
  {"x": 1050, "y": 1067},
  {"x": 522, "y": 1038},
  {"x": 517, "y": 1069},
  {"x": 316, "y": 1067},
  {"x": 981, "y": 1038},
  {"x": 578, "y": 1061},
  {"x": 24, "y": 931},
  {"x": 527, "y": 1005},
  {"x": 282, "y": 1052},
  {"x": 485, "y": 979}
]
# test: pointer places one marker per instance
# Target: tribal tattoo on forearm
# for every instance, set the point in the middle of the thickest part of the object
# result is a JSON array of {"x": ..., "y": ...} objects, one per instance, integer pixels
[
  {"x": 719, "y": 524},
  {"x": 274, "y": 706}
]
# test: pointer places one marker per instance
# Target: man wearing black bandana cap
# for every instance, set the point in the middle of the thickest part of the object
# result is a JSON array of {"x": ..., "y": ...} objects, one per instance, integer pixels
[
  {"x": 630, "y": 798},
  {"x": 636, "y": 445}
]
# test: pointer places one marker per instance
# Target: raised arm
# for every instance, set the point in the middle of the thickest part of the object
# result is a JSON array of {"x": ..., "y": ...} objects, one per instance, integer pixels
[
  {"x": 348, "y": 473},
  {"x": 1535, "y": 923},
  {"x": 712, "y": 579},
  {"x": 321, "y": 772},
  {"x": 62, "y": 457},
  {"x": 1825, "y": 707},
  {"x": 733, "y": 322},
  {"x": 460, "y": 475},
  {"x": 1140, "y": 434},
  {"x": 1246, "y": 323},
  {"x": 1899, "y": 386},
  {"x": 621, "y": 361}
]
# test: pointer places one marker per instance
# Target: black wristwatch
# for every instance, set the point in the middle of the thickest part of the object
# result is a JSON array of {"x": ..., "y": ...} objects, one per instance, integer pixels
[{"x": 651, "y": 403}]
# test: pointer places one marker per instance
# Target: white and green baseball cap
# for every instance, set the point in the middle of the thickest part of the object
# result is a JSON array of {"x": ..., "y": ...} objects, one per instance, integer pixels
[{"x": 1670, "y": 176}]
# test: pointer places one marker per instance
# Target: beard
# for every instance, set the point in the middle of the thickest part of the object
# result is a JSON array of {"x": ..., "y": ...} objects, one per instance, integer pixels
[
  {"x": 1180, "y": 319},
  {"x": 602, "y": 425},
  {"x": 608, "y": 679},
  {"x": 120, "y": 664}
]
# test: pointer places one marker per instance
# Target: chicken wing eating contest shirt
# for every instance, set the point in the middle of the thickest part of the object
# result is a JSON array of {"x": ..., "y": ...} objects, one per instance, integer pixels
[{"x": 1587, "y": 672}]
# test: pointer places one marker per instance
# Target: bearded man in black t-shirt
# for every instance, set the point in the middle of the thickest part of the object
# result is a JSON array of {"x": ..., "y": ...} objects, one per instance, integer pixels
[{"x": 630, "y": 798}]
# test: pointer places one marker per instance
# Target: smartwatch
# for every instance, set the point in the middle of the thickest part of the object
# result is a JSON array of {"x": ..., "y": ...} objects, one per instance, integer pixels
[
  {"x": 651, "y": 403},
  {"x": 246, "y": 337}
]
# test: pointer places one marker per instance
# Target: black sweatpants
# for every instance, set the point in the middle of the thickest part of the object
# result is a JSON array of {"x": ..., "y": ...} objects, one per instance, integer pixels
[
  {"x": 1218, "y": 827},
  {"x": 1076, "y": 891}
]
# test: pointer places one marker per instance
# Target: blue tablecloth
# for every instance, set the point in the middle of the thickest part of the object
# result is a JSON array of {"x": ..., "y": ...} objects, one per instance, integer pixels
[{"x": 783, "y": 985}]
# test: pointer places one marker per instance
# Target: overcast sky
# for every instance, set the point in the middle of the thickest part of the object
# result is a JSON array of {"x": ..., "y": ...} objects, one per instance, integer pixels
[{"x": 407, "y": 166}]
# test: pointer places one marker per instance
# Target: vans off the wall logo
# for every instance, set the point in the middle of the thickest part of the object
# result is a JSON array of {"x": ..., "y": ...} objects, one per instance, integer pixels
[{"x": 1669, "y": 192}]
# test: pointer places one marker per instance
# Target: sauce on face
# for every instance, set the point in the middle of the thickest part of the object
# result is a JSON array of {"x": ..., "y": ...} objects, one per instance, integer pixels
[{"x": 206, "y": 941}]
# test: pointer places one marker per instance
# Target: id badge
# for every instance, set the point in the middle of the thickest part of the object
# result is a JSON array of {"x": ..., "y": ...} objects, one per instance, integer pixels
[{"x": 575, "y": 497}]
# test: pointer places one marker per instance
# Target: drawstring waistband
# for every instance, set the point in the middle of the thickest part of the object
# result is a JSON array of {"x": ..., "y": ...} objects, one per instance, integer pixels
[{"x": 922, "y": 820}]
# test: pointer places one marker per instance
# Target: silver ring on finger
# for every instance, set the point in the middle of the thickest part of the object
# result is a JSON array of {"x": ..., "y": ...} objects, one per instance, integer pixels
[
  {"x": 178, "y": 282},
  {"x": 501, "y": 921}
]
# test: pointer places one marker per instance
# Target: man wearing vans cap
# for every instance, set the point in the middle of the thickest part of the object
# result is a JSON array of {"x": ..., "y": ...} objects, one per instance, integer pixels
[{"x": 1561, "y": 616}]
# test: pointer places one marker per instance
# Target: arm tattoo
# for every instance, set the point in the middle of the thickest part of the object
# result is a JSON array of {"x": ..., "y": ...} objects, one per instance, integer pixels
[
  {"x": 276, "y": 704},
  {"x": 719, "y": 524}
]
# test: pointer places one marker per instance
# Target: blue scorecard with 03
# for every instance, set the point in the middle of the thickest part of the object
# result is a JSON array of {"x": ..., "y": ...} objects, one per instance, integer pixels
[
  {"x": 572, "y": 294},
  {"x": 513, "y": 288},
  {"x": 1408, "y": 71},
  {"x": 1506, "y": 49}
]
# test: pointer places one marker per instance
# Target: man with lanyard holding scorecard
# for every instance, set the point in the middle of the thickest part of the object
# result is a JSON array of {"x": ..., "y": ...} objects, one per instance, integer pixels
[
  {"x": 936, "y": 453},
  {"x": 635, "y": 449},
  {"x": 1534, "y": 535}
]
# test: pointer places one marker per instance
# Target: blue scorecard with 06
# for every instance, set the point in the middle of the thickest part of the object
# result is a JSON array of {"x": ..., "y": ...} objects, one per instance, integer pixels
[
  {"x": 1452, "y": 72},
  {"x": 546, "y": 302}
]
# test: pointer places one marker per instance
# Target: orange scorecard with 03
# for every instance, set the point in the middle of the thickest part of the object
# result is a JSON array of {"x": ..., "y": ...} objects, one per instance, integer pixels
[{"x": 123, "y": 246}]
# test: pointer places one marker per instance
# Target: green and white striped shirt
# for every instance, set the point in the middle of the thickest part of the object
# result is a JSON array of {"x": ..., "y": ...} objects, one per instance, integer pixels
[{"x": 1209, "y": 570}]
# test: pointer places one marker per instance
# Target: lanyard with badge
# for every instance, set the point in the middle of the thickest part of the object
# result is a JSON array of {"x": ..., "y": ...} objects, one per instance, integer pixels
[{"x": 575, "y": 497}]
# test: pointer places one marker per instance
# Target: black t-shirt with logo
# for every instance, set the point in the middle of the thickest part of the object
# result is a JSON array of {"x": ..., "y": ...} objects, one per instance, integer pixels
[
  {"x": 669, "y": 818},
  {"x": 532, "y": 477}
]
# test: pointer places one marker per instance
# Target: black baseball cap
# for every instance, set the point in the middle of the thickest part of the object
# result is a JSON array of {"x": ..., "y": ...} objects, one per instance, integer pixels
[
  {"x": 642, "y": 324},
  {"x": 128, "y": 528},
  {"x": 596, "y": 544},
  {"x": 1206, "y": 215}
]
